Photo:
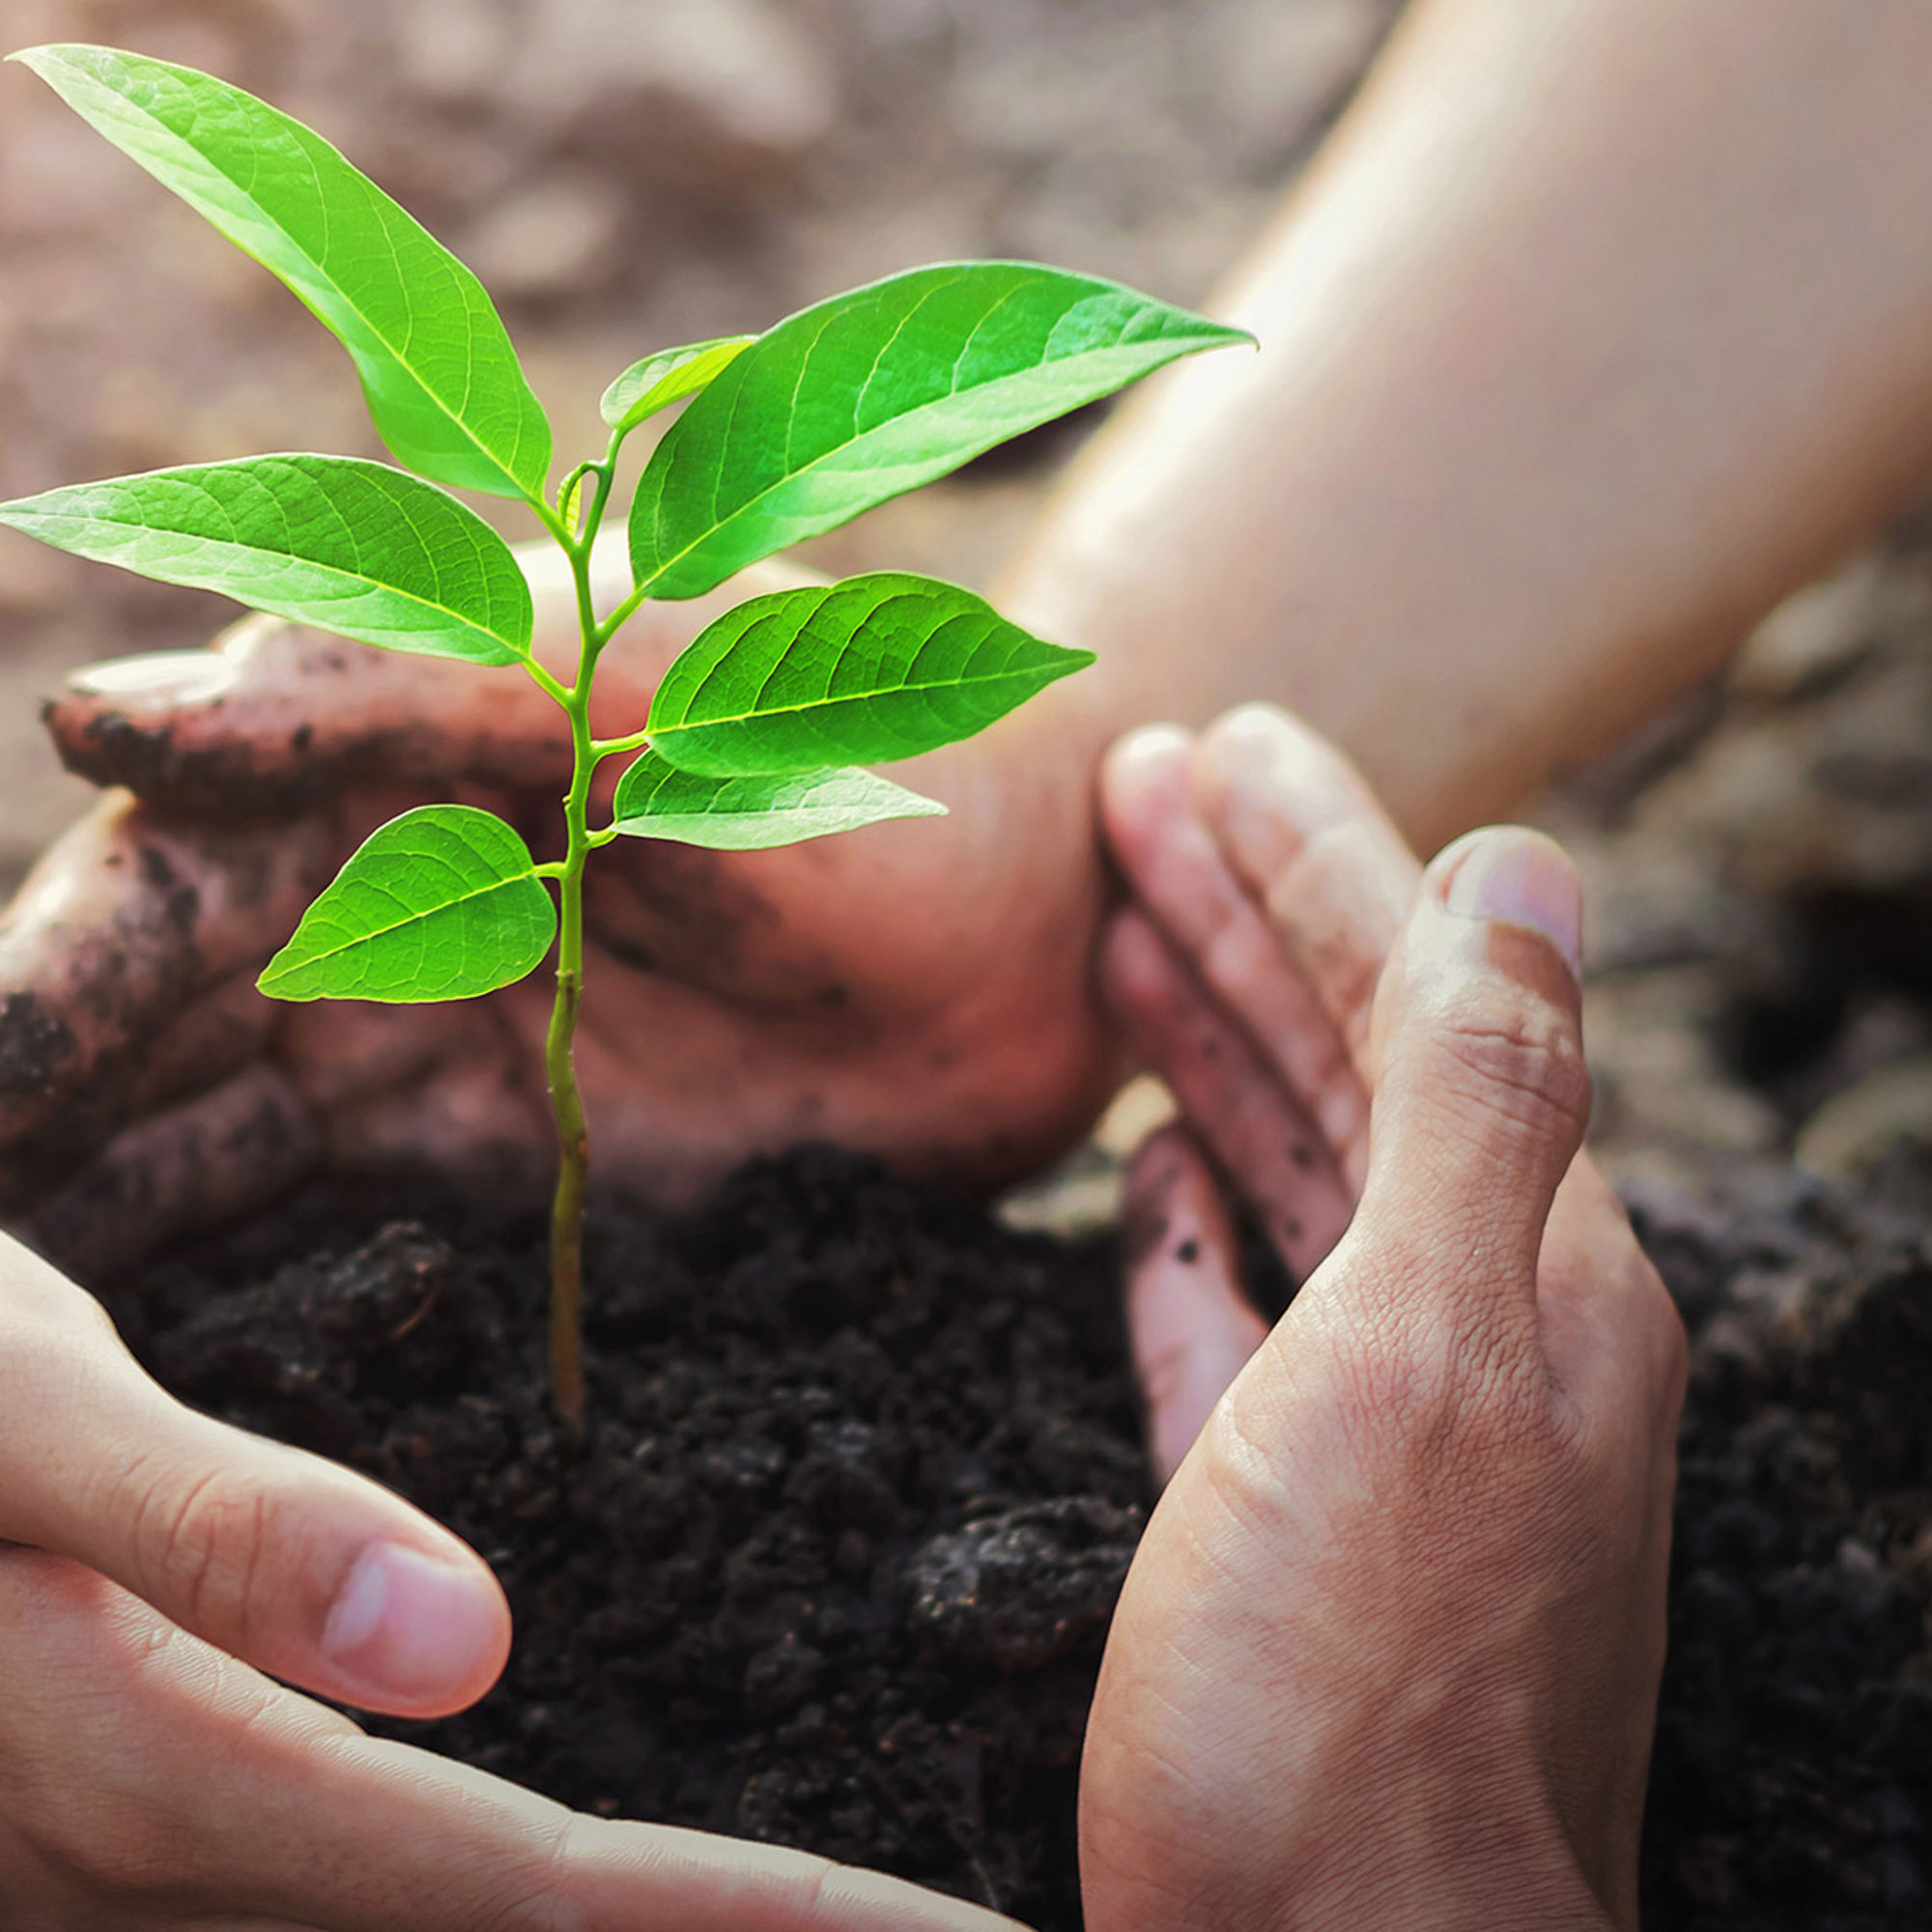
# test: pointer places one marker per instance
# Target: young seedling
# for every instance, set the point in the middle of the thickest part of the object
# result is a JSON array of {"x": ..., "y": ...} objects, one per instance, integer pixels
[{"x": 758, "y": 734}]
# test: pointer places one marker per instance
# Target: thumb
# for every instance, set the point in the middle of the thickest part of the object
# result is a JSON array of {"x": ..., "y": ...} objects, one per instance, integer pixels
[
  {"x": 278, "y": 1557},
  {"x": 1483, "y": 1093},
  {"x": 275, "y": 715}
]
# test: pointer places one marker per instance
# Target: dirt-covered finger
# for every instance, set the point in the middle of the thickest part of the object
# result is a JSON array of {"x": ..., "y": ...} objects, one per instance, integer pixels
[
  {"x": 191, "y": 1167},
  {"x": 1191, "y": 1328},
  {"x": 1182, "y": 880},
  {"x": 1234, "y": 1099},
  {"x": 481, "y": 1123},
  {"x": 278, "y": 717},
  {"x": 1300, "y": 828},
  {"x": 128, "y": 922}
]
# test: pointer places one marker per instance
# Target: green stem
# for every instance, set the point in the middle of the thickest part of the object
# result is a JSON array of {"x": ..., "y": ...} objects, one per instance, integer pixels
[
  {"x": 621, "y": 615},
  {"x": 609, "y": 748},
  {"x": 566, "y": 1225},
  {"x": 573, "y": 1133},
  {"x": 566, "y": 1221}
]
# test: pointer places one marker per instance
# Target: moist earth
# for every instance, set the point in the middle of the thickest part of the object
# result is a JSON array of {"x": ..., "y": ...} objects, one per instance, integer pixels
[{"x": 837, "y": 1564}]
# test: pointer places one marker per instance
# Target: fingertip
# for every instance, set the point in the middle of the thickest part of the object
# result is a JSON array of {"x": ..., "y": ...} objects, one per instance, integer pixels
[
  {"x": 1520, "y": 878},
  {"x": 1259, "y": 725},
  {"x": 111, "y": 708},
  {"x": 1140, "y": 769},
  {"x": 156, "y": 678},
  {"x": 415, "y": 1632},
  {"x": 1483, "y": 1092},
  {"x": 1270, "y": 783}
]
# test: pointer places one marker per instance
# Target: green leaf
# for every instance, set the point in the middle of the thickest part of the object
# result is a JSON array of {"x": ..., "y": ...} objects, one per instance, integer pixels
[
  {"x": 442, "y": 903},
  {"x": 442, "y": 380},
  {"x": 875, "y": 392},
  {"x": 747, "y": 814},
  {"x": 876, "y": 667},
  {"x": 350, "y": 546},
  {"x": 668, "y": 377}
]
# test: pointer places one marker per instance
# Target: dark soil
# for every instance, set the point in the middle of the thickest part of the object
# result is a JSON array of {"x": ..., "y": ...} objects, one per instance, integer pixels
[
  {"x": 864, "y": 1481},
  {"x": 1792, "y": 1781},
  {"x": 862, "y": 1486}
]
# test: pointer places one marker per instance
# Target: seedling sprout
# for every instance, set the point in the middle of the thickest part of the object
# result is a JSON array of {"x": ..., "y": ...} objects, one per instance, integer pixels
[{"x": 759, "y": 732}]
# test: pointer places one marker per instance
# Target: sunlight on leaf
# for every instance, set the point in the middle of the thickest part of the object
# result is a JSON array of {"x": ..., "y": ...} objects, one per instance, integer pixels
[
  {"x": 442, "y": 903},
  {"x": 876, "y": 392},
  {"x": 668, "y": 377},
  {"x": 442, "y": 380},
  {"x": 350, "y": 546},
  {"x": 876, "y": 667},
  {"x": 748, "y": 814}
]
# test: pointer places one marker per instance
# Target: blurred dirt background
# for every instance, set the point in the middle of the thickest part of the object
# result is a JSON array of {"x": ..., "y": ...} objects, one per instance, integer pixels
[
  {"x": 628, "y": 173},
  {"x": 623, "y": 174}
]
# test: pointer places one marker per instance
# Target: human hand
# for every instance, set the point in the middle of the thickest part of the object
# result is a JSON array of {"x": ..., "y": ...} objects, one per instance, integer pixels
[
  {"x": 900, "y": 987},
  {"x": 149, "y": 1778},
  {"x": 1388, "y": 1655}
]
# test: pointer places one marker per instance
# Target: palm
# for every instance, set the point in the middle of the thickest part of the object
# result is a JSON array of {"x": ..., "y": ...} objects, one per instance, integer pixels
[{"x": 898, "y": 988}]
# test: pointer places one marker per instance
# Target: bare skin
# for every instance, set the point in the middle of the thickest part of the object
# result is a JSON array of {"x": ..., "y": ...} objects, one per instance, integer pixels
[
  {"x": 1471, "y": 531},
  {"x": 730, "y": 1006},
  {"x": 1597, "y": 328},
  {"x": 151, "y": 1778},
  {"x": 1389, "y": 1653}
]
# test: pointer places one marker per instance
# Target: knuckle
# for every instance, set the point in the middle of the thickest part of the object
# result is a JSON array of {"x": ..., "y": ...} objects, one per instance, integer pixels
[
  {"x": 535, "y": 1891},
  {"x": 199, "y": 1541},
  {"x": 1518, "y": 1065},
  {"x": 536, "y": 1897},
  {"x": 81, "y": 1792},
  {"x": 1447, "y": 1377}
]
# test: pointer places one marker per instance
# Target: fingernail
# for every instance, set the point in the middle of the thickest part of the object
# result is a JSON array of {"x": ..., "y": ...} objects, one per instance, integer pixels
[
  {"x": 407, "y": 1628},
  {"x": 1525, "y": 881},
  {"x": 177, "y": 675},
  {"x": 1148, "y": 750}
]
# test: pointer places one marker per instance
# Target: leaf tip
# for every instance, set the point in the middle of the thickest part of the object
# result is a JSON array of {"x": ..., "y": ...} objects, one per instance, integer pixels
[{"x": 269, "y": 981}]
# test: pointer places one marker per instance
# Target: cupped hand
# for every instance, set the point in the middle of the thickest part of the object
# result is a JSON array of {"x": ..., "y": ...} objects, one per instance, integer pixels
[
  {"x": 903, "y": 988},
  {"x": 1389, "y": 1652},
  {"x": 151, "y": 1778}
]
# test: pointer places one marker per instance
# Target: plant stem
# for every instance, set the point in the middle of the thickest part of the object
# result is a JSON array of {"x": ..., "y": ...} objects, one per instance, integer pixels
[
  {"x": 566, "y": 1221},
  {"x": 573, "y": 1133},
  {"x": 566, "y": 1225}
]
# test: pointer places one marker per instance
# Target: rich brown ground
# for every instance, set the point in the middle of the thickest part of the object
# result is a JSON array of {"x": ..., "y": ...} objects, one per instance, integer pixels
[
  {"x": 1761, "y": 988},
  {"x": 863, "y": 1486}
]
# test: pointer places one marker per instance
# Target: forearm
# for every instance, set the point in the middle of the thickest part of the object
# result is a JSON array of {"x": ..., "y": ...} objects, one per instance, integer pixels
[{"x": 1599, "y": 325}]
